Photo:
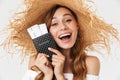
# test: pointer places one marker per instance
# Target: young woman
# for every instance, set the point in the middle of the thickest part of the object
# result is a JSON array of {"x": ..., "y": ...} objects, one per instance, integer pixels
[
  {"x": 70, "y": 59},
  {"x": 74, "y": 28}
]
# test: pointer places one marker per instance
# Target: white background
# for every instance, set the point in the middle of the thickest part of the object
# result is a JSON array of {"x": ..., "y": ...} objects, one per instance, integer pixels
[{"x": 10, "y": 67}]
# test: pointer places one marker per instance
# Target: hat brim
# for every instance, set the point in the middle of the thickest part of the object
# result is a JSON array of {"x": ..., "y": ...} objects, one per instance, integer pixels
[{"x": 91, "y": 26}]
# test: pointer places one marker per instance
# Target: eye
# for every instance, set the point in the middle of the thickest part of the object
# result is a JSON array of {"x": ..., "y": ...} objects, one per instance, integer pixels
[
  {"x": 68, "y": 20},
  {"x": 54, "y": 24}
]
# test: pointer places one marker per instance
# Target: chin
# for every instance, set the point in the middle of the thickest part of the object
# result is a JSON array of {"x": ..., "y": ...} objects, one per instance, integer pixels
[{"x": 66, "y": 46}]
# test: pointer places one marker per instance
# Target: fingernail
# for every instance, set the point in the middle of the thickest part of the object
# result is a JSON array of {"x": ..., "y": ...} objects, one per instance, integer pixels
[
  {"x": 48, "y": 56},
  {"x": 49, "y": 48},
  {"x": 39, "y": 72}
]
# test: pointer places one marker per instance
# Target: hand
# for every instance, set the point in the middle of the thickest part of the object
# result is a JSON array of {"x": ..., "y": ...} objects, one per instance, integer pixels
[
  {"x": 43, "y": 64},
  {"x": 58, "y": 64}
]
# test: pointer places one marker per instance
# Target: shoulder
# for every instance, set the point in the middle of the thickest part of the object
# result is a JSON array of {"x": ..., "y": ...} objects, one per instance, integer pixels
[{"x": 93, "y": 65}]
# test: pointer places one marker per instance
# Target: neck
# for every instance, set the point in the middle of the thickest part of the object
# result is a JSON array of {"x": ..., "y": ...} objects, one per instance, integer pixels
[
  {"x": 67, "y": 68},
  {"x": 66, "y": 53}
]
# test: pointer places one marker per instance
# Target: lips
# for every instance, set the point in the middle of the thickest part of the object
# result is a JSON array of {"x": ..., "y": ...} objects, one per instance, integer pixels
[{"x": 65, "y": 36}]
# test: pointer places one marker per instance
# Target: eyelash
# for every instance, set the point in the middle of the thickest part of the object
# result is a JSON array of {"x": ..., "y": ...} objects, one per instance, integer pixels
[
  {"x": 55, "y": 24},
  {"x": 68, "y": 20}
]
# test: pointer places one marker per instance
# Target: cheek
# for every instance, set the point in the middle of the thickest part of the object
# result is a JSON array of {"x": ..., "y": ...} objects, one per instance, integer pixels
[
  {"x": 53, "y": 32},
  {"x": 75, "y": 31},
  {"x": 74, "y": 25},
  {"x": 75, "y": 28}
]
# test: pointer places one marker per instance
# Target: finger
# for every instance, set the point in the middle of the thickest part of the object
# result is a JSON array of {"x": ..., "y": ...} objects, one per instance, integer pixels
[
  {"x": 55, "y": 51},
  {"x": 55, "y": 63},
  {"x": 33, "y": 57},
  {"x": 58, "y": 57},
  {"x": 32, "y": 60},
  {"x": 57, "y": 60},
  {"x": 42, "y": 54},
  {"x": 42, "y": 58},
  {"x": 35, "y": 68}
]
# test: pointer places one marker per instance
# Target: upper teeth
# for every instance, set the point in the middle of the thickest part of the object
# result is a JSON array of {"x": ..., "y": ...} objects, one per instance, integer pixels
[{"x": 64, "y": 35}]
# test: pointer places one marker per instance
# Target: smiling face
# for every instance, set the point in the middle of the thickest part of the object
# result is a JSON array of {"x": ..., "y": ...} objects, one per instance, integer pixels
[{"x": 64, "y": 28}]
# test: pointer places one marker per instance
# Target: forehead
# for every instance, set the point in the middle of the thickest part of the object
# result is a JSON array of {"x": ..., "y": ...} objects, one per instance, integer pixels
[{"x": 62, "y": 10}]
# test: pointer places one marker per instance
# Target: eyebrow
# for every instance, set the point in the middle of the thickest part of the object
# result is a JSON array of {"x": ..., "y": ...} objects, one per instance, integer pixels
[
  {"x": 64, "y": 15},
  {"x": 67, "y": 14}
]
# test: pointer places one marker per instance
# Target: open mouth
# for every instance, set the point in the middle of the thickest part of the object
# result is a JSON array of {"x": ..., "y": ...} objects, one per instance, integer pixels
[{"x": 65, "y": 36}]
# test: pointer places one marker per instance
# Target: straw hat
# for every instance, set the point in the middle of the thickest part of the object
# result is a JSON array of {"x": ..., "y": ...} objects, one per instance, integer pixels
[{"x": 93, "y": 29}]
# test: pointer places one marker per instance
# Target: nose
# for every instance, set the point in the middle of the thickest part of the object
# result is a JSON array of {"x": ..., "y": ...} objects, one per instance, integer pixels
[{"x": 63, "y": 26}]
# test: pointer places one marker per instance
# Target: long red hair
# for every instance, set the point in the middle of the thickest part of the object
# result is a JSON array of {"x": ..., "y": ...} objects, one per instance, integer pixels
[{"x": 77, "y": 54}]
